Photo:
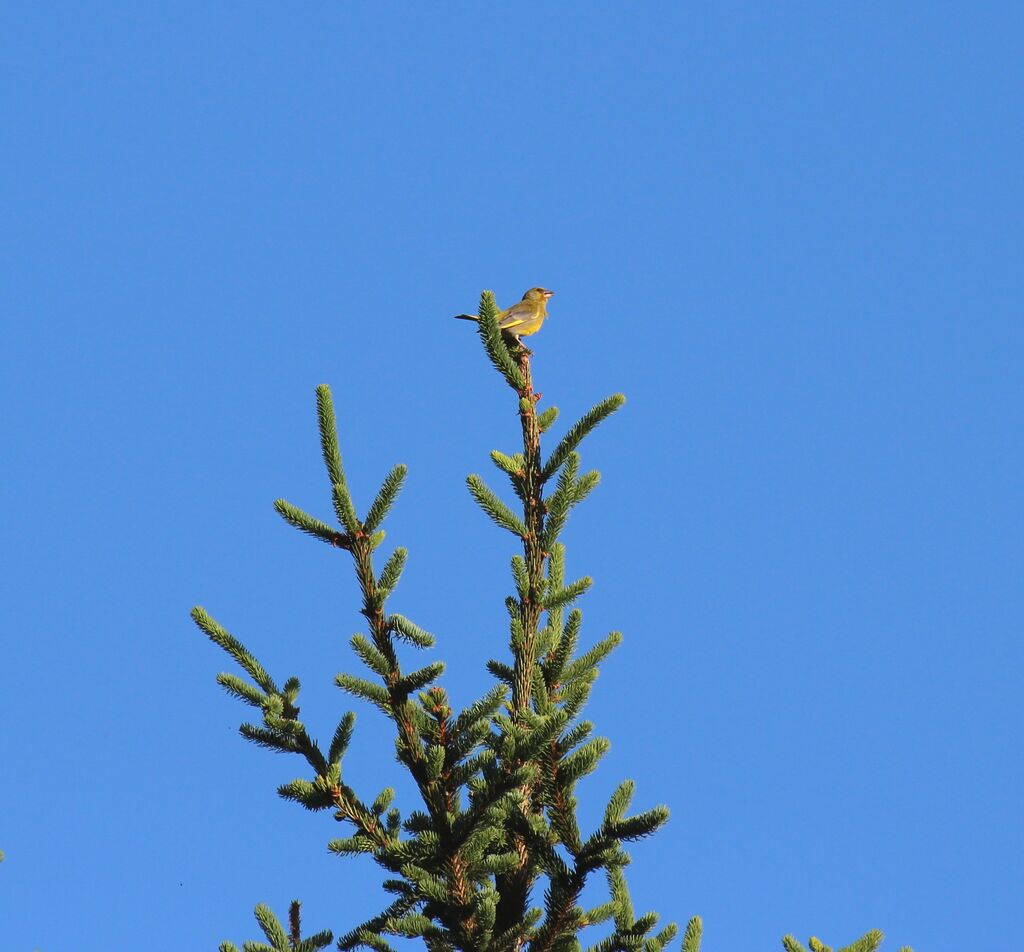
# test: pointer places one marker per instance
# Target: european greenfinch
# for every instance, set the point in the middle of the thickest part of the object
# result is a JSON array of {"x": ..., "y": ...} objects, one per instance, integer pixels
[{"x": 524, "y": 318}]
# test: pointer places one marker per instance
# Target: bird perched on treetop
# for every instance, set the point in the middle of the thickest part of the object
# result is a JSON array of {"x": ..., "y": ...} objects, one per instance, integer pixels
[{"x": 524, "y": 318}]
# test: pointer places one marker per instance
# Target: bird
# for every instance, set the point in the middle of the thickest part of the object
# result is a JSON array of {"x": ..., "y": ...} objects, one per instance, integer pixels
[{"x": 524, "y": 318}]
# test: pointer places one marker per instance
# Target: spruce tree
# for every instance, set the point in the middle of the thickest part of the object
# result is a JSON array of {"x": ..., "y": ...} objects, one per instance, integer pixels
[{"x": 492, "y": 858}]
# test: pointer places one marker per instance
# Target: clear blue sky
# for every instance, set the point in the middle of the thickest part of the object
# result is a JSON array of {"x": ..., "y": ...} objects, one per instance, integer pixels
[{"x": 790, "y": 233}]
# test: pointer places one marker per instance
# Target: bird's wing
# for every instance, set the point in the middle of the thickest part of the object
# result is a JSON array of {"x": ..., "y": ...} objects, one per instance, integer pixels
[{"x": 517, "y": 314}]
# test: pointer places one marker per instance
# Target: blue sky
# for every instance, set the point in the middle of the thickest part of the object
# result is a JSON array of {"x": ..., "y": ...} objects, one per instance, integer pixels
[{"x": 790, "y": 233}]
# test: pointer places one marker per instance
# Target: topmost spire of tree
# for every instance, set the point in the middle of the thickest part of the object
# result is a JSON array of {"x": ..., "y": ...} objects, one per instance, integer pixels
[{"x": 492, "y": 857}]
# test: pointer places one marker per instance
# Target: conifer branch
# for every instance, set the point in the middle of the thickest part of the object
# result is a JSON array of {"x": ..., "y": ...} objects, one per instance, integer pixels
[
  {"x": 692, "y": 935},
  {"x": 271, "y": 927},
  {"x": 502, "y": 671},
  {"x": 343, "y": 507},
  {"x": 494, "y": 342},
  {"x": 238, "y": 651},
  {"x": 546, "y": 420},
  {"x": 281, "y": 941},
  {"x": 329, "y": 435},
  {"x": 589, "y": 661},
  {"x": 417, "y": 680},
  {"x": 869, "y": 942},
  {"x": 312, "y": 526},
  {"x": 407, "y": 631},
  {"x": 370, "y": 656},
  {"x": 579, "y": 431},
  {"x": 494, "y": 507},
  {"x": 307, "y": 794},
  {"x": 385, "y": 498},
  {"x": 342, "y": 737},
  {"x": 244, "y": 691},
  {"x": 392, "y": 572},
  {"x": 567, "y": 595},
  {"x": 376, "y": 694},
  {"x": 497, "y": 780}
]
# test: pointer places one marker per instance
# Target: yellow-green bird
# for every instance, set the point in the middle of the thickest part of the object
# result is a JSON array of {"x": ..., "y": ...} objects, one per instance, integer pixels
[{"x": 524, "y": 318}]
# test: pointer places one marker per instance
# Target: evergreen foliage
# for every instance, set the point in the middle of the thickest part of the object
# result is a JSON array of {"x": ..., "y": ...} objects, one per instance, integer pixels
[
  {"x": 492, "y": 858},
  {"x": 279, "y": 940},
  {"x": 867, "y": 943}
]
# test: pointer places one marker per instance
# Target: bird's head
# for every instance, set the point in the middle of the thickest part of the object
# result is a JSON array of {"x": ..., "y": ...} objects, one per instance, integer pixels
[{"x": 537, "y": 294}]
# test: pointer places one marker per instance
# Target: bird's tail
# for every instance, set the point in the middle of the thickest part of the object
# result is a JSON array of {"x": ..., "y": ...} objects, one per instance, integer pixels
[{"x": 466, "y": 317}]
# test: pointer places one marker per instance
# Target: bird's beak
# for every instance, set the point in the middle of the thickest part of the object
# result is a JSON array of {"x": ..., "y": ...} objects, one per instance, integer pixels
[{"x": 548, "y": 294}]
